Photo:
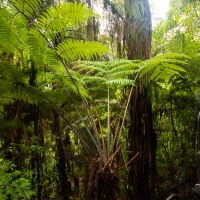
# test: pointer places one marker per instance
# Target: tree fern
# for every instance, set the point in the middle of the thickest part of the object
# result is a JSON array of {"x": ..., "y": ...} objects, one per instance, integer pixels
[{"x": 45, "y": 43}]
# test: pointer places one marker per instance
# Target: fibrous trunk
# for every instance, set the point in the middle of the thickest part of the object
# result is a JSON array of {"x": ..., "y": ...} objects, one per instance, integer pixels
[
  {"x": 100, "y": 182},
  {"x": 143, "y": 140},
  {"x": 141, "y": 136}
]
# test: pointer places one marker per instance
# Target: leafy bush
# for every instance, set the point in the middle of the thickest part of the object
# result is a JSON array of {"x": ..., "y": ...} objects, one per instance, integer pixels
[{"x": 13, "y": 185}]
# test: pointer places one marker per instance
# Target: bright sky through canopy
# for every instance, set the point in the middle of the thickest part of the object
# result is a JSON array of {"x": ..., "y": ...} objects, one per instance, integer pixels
[{"x": 159, "y": 9}]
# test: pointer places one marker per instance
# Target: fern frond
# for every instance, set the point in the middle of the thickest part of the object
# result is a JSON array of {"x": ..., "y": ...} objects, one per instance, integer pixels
[
  {"x": 115, "y": 64},
  {"x": 173, "y": 56},
  {"x": 121, "y": 82},
  {"x": 10, "y": 73},
  {"x": 61, "y": 17},
  {"x": 52, "y": 58},
  {"x": 73, "y": 50},
  {"x": 128, "y": 68},
  {"x": 36, "y": 46},
  {"x": 122, "y": 73},
  {"x": 70, "y": 84},
  {"x": 164, "y": 66},
  {"x": 89, "y": 68},
  {"x": 28, "y": 8},
  {"x": 8, "y": 36},
  {"x": 113, "y": 73},
  {"x": 93, "y": 79},
  {"x": 174, "y": 66}
]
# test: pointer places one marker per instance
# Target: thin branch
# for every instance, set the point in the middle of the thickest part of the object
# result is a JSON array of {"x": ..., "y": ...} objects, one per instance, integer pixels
[
  {"x": 122, "y": 125},
  {"x": 108, "y": 124},
  {"x": 128, "y": 162},
  {"x": 111, "y": 157}
]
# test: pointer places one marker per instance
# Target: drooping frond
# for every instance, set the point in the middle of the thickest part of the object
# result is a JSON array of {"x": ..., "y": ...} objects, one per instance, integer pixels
[
  {"x": 13, "y": 85},
  {"x": 123, "y": 69},
  {"x": 9, "y": 39},
  {"x": 52, "y": 58},
  {"x": 26, "y": 7},
  {"x": 117, "y": 64},
  {"x": 119, "y": 72},
  {"x": 61, "y": 17},
  {"x": 69, "y": 85},
  {"x": 163, "y": 67},
  {"x": 36, "y": 46},
  {"x": 10, "y": 73}
]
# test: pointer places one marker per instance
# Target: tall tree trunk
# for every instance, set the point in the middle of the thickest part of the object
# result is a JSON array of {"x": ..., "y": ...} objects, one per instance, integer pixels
[
  {"x": 92, "y": 26},
  {"x": 141, "y": 136},
  {"x": 37, "y": 155},
  {"x": 198, "y": 155},
  {"x": 34, "y": 116},
  {"x": 143, "y": 140},
  {"x": 61, "y": 160}
]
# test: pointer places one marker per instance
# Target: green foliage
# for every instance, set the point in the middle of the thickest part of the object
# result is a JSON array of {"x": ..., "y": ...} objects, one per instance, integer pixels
[
  {"x": 176, "y": 105},
  {"x": 120, "y": 73},
  {"x": 73, "y": 50},
  {"x": 36, "y": 54},
  {"x": 13, "y": 184},
  {"x": 60, "y": 18},
  {"x": 164, "y": 67},
  {"x": 45, "y": 43},
  {"x": 26, "y": 7},
  {"x": 8, "y": 31}
]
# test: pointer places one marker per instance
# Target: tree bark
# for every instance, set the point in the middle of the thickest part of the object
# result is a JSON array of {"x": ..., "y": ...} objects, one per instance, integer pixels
[
  {"x": 61, "y": 160},
  {"x": 143, "y": 140},
  {"x": 198, "y": 155},
  {"x": 141, "y": 137}
]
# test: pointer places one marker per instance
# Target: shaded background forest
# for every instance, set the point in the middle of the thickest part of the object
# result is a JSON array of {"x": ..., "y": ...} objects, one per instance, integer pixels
[{"x": 70, "y": 128}]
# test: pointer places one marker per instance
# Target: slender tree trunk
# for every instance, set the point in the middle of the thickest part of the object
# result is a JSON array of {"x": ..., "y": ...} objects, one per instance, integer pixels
[
  {"x": 141, "y": 136},
  {"x": 37, "y": 156},
  {"x": 61, "y": 160},
  {"x": 119, "y": 38},
  {"x": 198, "y": 155},
  {"x": 92, "y": 26},
  {"x": 34, "y": 116}
]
